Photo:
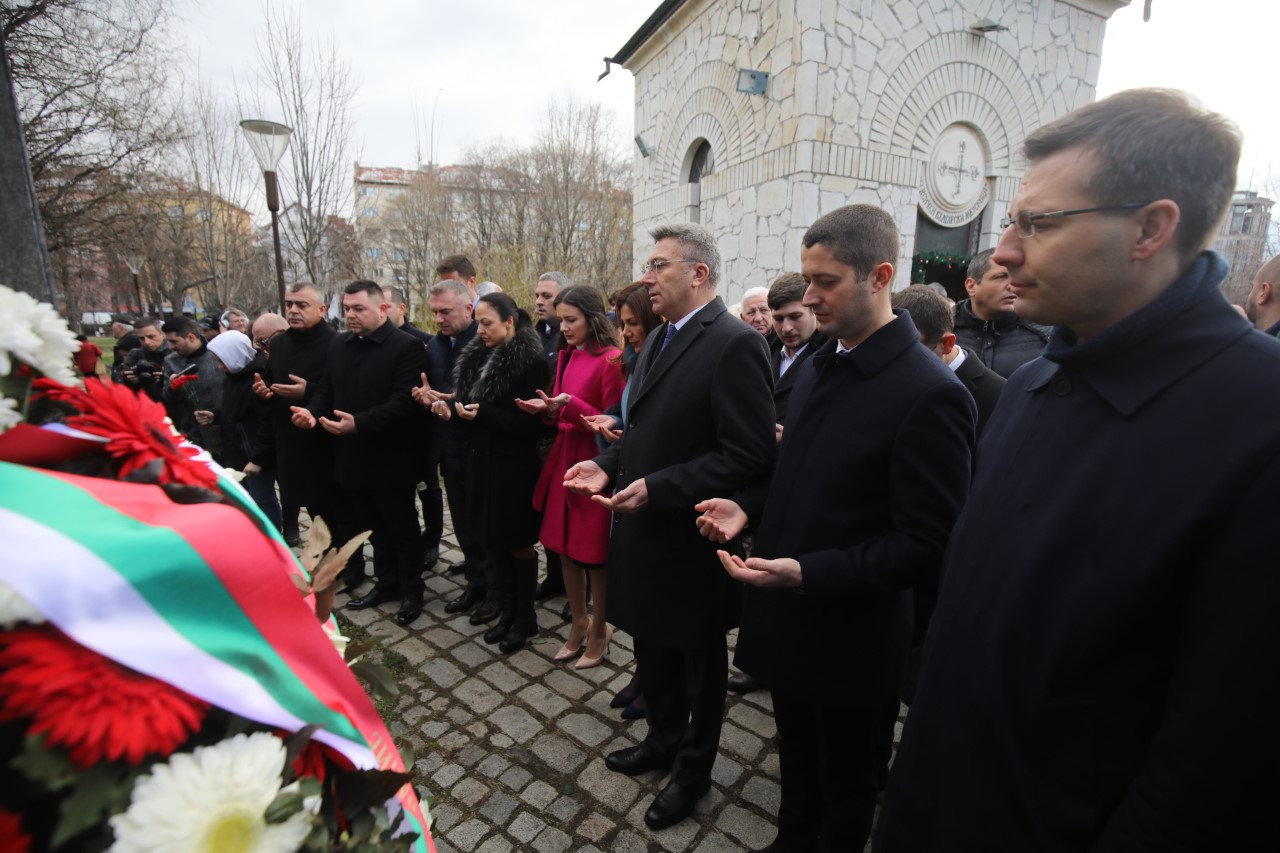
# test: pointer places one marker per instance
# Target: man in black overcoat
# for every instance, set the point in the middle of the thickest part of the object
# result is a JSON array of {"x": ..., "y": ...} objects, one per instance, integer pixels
[
  {"x": 1100, "y": 671},
  {"x": 872, "y": 471},
  {"x": 700, "y": 422},
  {"x": 364, "y": 400},
  {"x": 303, "y": 460}
]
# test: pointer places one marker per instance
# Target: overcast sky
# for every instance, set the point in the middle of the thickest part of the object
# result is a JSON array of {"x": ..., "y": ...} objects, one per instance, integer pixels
[{"x": 486, "y": 68}]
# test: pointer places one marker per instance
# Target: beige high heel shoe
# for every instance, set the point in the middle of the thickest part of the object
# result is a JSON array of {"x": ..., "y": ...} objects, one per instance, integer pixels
[
  {"x": 568, "y": 652},
  {"x": 585, "y": 662}
]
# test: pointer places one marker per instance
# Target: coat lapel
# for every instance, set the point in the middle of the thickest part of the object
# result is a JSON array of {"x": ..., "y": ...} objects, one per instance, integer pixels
[{"x": 659, "y": 362}]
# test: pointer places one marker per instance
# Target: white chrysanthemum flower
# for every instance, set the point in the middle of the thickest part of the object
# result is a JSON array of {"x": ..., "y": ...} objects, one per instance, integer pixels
[
  {"x": 212, "y": 800},
  {"x": 15, "y": 608},
  {"x": 9, "y": 413},
  {"x": 32, "y": 332}
]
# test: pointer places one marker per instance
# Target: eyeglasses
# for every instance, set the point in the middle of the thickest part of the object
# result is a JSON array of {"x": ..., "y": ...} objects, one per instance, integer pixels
[
  {"x": 656, "y": 266},
  {"x": 1026, "y": 221},
  {"x": 265, "y": 343}
]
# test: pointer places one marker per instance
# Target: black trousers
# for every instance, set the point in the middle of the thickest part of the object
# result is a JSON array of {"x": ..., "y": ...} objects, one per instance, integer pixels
[
  {"x": 392, "y": 517},
  {"x": 432, "y": 499},
  {"x": 457, "y": 488},
  {"x": 830, "y": 762},
  {"x": 685, "y": 693}
]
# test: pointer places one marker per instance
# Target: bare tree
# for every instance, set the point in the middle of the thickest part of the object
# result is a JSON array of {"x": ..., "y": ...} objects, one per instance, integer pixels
[
  {"x": 91, "y": 82},
  {"x": 311, "y": 88}
]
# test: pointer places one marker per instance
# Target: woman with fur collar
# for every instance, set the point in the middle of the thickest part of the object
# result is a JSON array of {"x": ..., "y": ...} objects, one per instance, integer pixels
[
  {"x": 503, "y": 363},
  {"x": 588, "y": 381}
]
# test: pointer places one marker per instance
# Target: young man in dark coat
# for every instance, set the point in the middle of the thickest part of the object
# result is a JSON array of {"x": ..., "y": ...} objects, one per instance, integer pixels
[
  {"x": 699, "y": 422},
  {"x": 303, "y": 460},
  {"x": 1100, "y": 671},
  {"x": 872, "y": 471},
  {"x": 364, "y": 401},
  {"x": 933, "y": 318}
]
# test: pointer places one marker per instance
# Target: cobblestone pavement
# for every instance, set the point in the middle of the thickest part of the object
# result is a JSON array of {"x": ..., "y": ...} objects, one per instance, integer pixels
[{"x": 510, "y": 748}]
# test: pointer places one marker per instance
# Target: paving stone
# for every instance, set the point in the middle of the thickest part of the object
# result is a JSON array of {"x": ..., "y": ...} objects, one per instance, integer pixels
[
  {"x": 739, "y": 742},
  {"x": 504, "y": 677},
  {"x": 628, "y": 842},
  {"x": 552, "y": 840},
  {"x": 443, "y": 638},
  {"x": 753, "y": 720},
  {"x": 565, "y": 684},
  {"x": 467, "y": 835},
  {"x": 459, "y": 716},
  {"x": 595, "y": 827},
  {"x": 478, "y": 695},
  {"x": 585, "y": 728},
  {"x": 471, "y": 655},
  {"x": 361, "y": 617},
  {"x": 493, "y": 765},
  {"x": 471, "y": 755},
  {"x": 444, "y": 817},
  {"x": 499, "y": 806},
  {"x": 447, "y": 775},
  {"x": 442, "y": 672},
  {"x": 726, "y": 771},
  {"x": 413, "y": 714},
  {"x": 763, "y": 792},
  {"x": 770, "y": 766},
  {"x": 387, "y": 630},
  {"x": 612, "y": 790},
  {"x": 550, "y": 705},
  {"x": 717, "y": 843},
  {"x": 539, "y": 795},
  {"x": 515, "y": 722},
  {"x": 558, "y": 753},
  {"x": 414, "y": 650},
  {"x": 564, "y": 809},
  {"x": 429, "y": 763},
  {"x": 526, "y": 827},
  {"x": 531, "y": 663},
  {"x": 441, "y": 586},
  {"x": 515, "y": 778},
  {"x": 433, "y": 728},
  {"x": 751, "y": 830},
  {"x": 495, "y": 844},
  {"x": 469, "y": 792},
  {"x": 501, "y": 741}
]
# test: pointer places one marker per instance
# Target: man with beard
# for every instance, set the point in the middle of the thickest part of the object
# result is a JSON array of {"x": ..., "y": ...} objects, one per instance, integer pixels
[{"x": 184, "y": 395}]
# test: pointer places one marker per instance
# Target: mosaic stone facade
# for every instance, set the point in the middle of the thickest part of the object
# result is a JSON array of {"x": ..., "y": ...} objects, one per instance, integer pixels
[{"x": 858, "y": 98}]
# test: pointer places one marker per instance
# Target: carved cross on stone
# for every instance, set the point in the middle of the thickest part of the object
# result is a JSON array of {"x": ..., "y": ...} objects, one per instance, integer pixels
[{"x": 959, "y": 170}]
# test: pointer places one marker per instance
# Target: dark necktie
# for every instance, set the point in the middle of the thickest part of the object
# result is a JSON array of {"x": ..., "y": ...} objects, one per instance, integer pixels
[{"x": 671, "y": 333}]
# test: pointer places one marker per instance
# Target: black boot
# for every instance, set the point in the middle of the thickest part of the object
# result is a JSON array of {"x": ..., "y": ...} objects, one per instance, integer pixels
[
  {"x": 502, "y": 575},
  {"x": 525, "y": 625}
]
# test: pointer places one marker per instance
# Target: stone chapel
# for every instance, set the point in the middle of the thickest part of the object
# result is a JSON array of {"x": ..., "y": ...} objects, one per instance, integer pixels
[{"x": 754, "y": 117}]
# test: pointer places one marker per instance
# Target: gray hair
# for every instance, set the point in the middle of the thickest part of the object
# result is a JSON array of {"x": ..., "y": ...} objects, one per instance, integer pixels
[
  {"x": 232, "y": 312},
  {"x": 484, "y": 288},
  {"x": 696, "y": 242},
  {"x": 321, "y": 297},
  {"x": 861, "y": 236},
  {"x": 451, "y": 286},
  {"x": 979, "y": 264},
  {"x": 755, "y": 291},
  {"x": 562, "y": 281}
]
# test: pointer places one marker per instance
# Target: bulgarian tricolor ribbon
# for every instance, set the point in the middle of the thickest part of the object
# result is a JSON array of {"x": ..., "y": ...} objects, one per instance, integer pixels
[{"x": 192, "y": 594}]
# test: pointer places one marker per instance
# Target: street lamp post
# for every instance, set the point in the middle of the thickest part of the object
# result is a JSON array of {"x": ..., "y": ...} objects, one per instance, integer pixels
[
  {"x": 135, "y": 264},
  {"x": 269, "y": 140}
]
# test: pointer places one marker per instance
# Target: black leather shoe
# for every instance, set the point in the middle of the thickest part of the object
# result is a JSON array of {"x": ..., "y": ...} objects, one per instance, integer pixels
[
  {"x": 470, "y": 598},
  {"x": 514, "y": 641},
  {"x": 430, "y": 557},
  {"x": 495, "y": 634},
  {"x": 635, "y": 760},
  {"x": 742, "y": 683},
  {"x": 458, "y": 568},
  {"x": 486, "y": 612},
  {"x": 372, "y": 598},
  {"x": 549, "y": 589},
  {"x": 674, "y": 803},
  {"x": 410, "y": 609},
  {"x": 566, "y": 613}
]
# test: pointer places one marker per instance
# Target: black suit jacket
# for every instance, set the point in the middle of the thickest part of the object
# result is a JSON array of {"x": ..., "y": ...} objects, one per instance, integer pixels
[
  {"x": 699, "y": 424},
  {"x": 983, "y": 383},
  {"x": 783, "y": 384},
  {"x": 872, "y": 472}
]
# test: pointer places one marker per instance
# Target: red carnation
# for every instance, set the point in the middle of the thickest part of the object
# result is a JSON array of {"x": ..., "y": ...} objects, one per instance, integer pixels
[
  {"x": 12, "y": 838},
  {"x": 134, "y": 427},
  {"x": 92, "y": 706},
  {"x": 178, "y": 381}
]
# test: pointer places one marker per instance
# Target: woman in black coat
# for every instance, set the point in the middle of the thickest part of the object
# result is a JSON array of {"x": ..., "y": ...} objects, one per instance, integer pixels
[{"x": 504, "y": 362}]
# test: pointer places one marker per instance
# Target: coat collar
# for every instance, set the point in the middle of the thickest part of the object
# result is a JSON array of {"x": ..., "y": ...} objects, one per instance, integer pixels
[
  {"x": 1152, "y": 348},
  {"x": 876, "y": 352},
  {"x": 377, "y": 336},
  {"x": 659, "y": 359}
]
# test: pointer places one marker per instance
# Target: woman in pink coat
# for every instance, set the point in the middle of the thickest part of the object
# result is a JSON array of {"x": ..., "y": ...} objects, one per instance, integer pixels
[{"x": 588, "y": 381}]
